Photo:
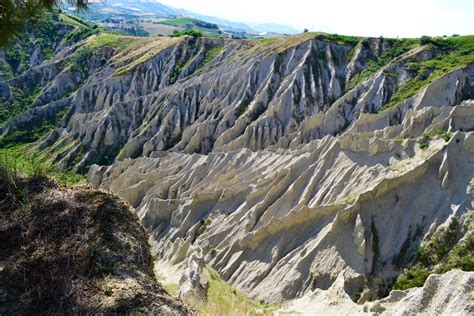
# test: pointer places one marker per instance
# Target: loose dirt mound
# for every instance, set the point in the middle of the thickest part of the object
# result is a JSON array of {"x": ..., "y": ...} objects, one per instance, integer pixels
[{"x": 69, "y": 251}]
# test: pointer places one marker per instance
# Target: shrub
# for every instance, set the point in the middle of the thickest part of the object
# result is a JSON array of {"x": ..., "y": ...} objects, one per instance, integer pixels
[
  {"x": 411, "y": 278},
  {"x": 440, "y": 244},
  {"x": 191, "y": 32},
  {"x": 443, "y": 251},
  {"x": 425, "y": 145},
  {"x": 447, "y": 136},
  {"x": 443, "y": 134},
  {"x": 425, "y": 40}
]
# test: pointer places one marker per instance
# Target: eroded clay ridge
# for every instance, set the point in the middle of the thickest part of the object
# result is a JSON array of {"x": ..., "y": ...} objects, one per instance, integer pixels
[
  {"x": 189, "y": 95},
  {"x": 281, "y": 164},
  {"x": 355, "y": 205}
]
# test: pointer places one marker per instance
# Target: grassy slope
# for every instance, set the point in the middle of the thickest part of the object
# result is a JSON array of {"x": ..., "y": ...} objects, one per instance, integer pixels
[
  {"x": 193, "y": 24},
  {"x": 29, "y": 161},
  {"x": 449, "y": 248},
  {"x": 398, "y": 47},
  {"x": 456, "y": 52},
  {"x": 178, "y": 21},
  {"x": 223, "y": 299},
  {"x": 49, "y": 29}
]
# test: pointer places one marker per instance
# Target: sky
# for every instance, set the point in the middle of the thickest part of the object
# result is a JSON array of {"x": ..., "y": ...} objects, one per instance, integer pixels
[{"x": 402, "y": 18}]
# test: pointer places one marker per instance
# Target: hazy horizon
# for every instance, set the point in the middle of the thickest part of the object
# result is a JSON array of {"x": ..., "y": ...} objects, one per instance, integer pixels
[{"x": 364, "y": 18}]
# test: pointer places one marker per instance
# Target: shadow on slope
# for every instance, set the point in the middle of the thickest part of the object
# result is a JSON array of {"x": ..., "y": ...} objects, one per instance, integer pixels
[{"x": 73, "y": 251}]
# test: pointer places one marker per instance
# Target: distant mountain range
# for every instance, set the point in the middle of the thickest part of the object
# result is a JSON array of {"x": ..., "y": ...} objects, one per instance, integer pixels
[{"x": 141, "y": 17}]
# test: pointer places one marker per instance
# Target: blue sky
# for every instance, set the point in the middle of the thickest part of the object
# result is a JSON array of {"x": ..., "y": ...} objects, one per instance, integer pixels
[{"x": 404, "y": 18}]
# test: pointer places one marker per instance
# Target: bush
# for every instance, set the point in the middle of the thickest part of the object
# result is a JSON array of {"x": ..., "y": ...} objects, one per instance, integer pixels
[
  {"x": 439, "y": 42},
  {"x": 441, "y": 133},
  {"x": 425, "y": 145},
  {"x": 193, "y": 33},
  {"x": 443, "y": 252},
  {"x": 411, "y": 278},
  {"x": 425, "y": 40},
  {"x": 440, "y": 244}
]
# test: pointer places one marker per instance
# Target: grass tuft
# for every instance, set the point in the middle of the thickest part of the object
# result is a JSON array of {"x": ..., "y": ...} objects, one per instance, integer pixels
[{"x": 223, "y": 299}]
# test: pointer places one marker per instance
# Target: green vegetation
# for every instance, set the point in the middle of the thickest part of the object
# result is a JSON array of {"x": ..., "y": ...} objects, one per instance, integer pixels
[
  {"x": 211, "y": 54},
  {"x": 425, "y": 145},
  {"x": 342, "y": 39},
  {"x": 31, "y": 132},
  {"x": 74, "y": 21},
  {"x": 243, "y": 108},
  {"x": 178, "y": 21},
  {"x": 17, "y": 56},
  {"x": 223, "y": 299},
  {"x": 28, "y": 165},
  {"x": 26, "y": 160},
  {"x": 411, "y": 278},
  {"x": 176, "y": 71},
  {"x": 461, "y": 256},
  {"x": 397, "y": 48},
  {"x": 267, "y": 41},
  {"x": 193, "y": 27},
  {"x": 143, "y": 50},
  {"x": 444, "y": 251},
  {"x": 22, "y": 99},
  {"x": 424, "y": 40},
  {"x": 79, "y": 60},
  {"x": 5, "y": 70},
  {"x": 118, "y": 41},
  {"x": 438, "y": 133},
  {"x": 191, "y": 32},
  {"x": 439, "y": 245},
  {"x": 453, "y": 53},
  {"x": 45, "y": 31},
  {"x": 78, "y": 35},
  {"x": 18, "y": 15},
  {"x": 428, "y": 135}
]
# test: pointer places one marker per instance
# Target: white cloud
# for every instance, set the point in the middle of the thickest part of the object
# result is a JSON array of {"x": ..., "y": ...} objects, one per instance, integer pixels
[{"x": 404, "y": 18}]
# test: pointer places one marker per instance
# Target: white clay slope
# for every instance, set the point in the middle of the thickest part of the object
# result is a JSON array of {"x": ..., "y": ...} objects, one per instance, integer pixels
[
  {"x": 448, "y": 294},
  {"x": 336, "y": 212}
]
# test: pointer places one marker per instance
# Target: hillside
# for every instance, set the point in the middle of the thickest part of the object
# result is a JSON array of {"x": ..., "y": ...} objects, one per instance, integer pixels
[
  {"x": 73, "y": 251},
  {"x": 315, "y": 169},
  {"x": 151, "y": 18}
]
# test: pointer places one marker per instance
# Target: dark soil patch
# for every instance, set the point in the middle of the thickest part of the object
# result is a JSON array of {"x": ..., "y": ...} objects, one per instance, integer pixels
[{"x": 70, "y": 251}]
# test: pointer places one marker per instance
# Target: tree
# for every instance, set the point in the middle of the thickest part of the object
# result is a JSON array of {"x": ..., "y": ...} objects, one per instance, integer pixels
[
  {"x": 424, "y": 40},
  {"x": 14, "y": 14},
  {"x": 305, "y": 31},
  {"x": 190, "y": 32}
]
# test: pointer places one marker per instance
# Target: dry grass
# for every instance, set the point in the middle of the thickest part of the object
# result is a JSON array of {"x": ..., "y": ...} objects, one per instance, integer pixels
[
  {"x": 74, "y": 251},
  {"x": 223, "y": 299},
  {"x": 136, "y": 55}
]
